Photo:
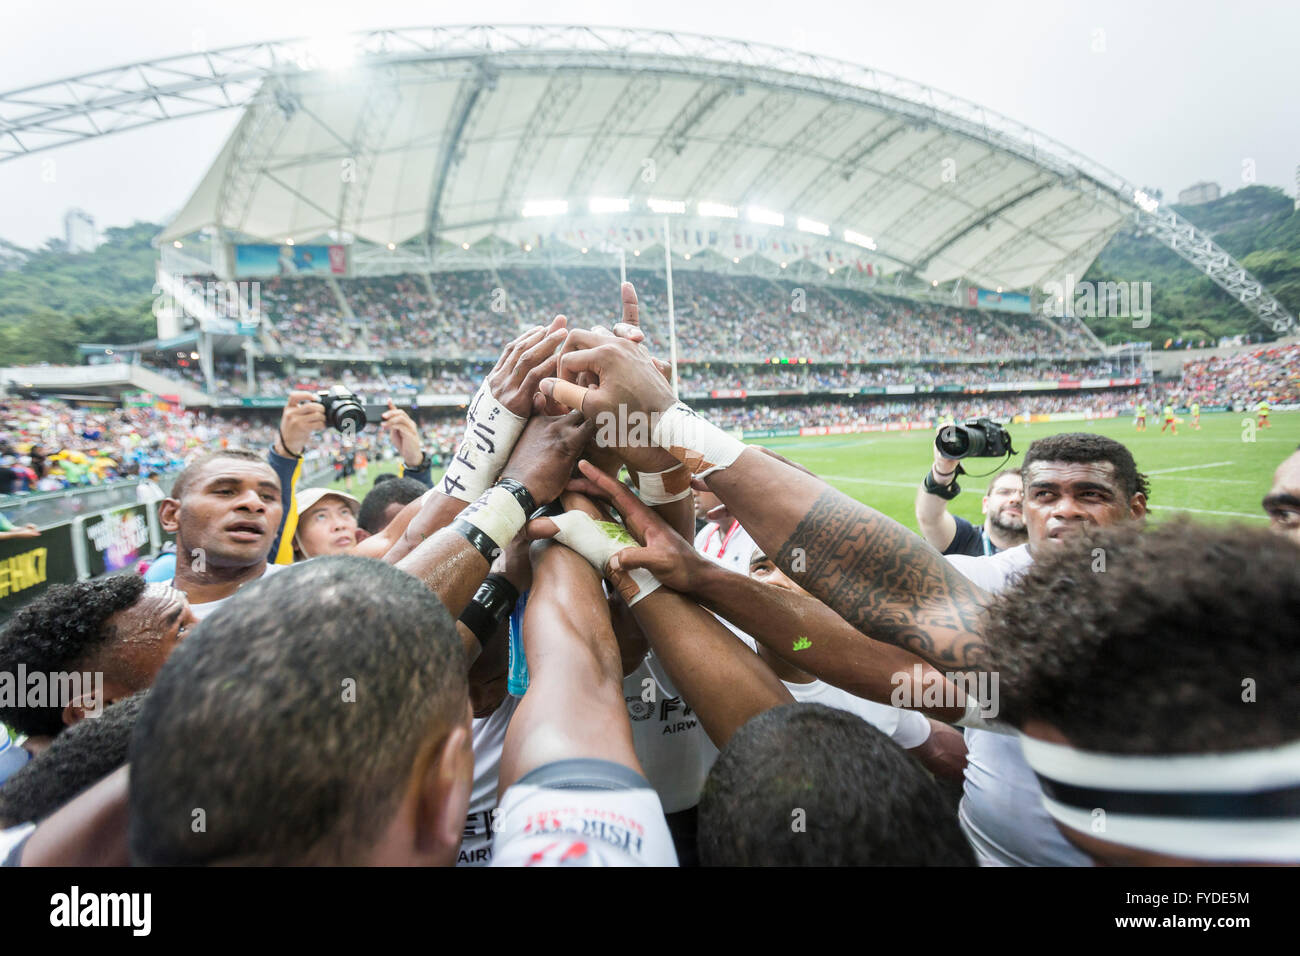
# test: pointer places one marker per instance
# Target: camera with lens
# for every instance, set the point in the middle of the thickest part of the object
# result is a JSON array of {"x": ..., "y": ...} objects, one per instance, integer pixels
[
  {"x": 343, "y": 412},
  {"x": 974, "y": 438}
]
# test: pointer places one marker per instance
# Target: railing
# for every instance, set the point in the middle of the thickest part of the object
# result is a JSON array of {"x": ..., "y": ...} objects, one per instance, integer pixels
[{"x": 45, "y": 508}]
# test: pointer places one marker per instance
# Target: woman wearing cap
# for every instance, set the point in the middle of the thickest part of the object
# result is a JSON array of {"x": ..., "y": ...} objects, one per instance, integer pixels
[{"x": 327, "y": 523}]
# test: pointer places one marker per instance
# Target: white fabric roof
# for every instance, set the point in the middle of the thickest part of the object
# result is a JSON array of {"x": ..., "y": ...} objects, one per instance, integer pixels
[{"x": 456, "y": 145}]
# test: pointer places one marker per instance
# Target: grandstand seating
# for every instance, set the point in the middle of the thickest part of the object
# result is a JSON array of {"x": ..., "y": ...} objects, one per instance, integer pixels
[{"x": 719, "y": 317}]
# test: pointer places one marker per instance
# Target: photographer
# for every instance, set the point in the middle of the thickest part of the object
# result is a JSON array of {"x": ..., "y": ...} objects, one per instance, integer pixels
[
  {"x": 1004, "y": 523},
  {"x": 305, "y": 414}
]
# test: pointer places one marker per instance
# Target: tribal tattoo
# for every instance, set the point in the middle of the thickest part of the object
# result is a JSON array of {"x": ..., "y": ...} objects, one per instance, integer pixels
[{"x": 887, "y": 582}]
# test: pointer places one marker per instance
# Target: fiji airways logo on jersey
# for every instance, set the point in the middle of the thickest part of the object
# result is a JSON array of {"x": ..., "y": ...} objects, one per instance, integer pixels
[{"x": 646, "y": 706}]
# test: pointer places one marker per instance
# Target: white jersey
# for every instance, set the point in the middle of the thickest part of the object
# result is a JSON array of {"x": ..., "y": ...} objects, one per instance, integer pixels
[
  {"x": 671, "y": 745},
  {"x": 203, "y": 610},
  {"x": 907, "y": 728},
  {"x": 489, "y": 736},
  {"x": 1002, "y": 810},
  {"x": 10, "y": 838},
  {"x": 545, "y": 826},
  {"x": 731, "y": 547}
]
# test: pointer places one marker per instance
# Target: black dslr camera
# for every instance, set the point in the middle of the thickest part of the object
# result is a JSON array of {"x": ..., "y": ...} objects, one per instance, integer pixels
[
  {"x": 343, "y": 412},
  {"x": 974, "y": 438}
]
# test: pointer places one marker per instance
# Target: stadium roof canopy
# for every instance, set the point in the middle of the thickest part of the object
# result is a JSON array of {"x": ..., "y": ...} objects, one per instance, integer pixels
[{"x": 436, "y": 138}]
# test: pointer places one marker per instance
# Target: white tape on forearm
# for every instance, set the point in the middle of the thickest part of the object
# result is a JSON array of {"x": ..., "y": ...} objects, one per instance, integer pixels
[
  {"x": 491, "y": 431},
  {"x": 656, "y": 486},
  {"x": 598, "y": 541},
  {"x": 698, "y": 444},
  {"x": 497, "y": 514}
]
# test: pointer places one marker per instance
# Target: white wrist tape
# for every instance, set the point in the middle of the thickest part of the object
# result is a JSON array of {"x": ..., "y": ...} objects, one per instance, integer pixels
[
  {"x": 491, "y": 431},
  {"x": 661, "y": 487},
  {"x": 497, "y": 514},
  {"x": 598, "y": 541},
  {"x": 701, "y": 446}
]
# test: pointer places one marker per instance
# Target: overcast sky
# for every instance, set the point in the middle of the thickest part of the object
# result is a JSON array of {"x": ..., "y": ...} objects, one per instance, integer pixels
[{"x": 1163, "y": 93}]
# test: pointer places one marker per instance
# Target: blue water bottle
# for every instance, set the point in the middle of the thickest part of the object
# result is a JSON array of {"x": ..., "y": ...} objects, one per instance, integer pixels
[{"x": 517, "y": 677}]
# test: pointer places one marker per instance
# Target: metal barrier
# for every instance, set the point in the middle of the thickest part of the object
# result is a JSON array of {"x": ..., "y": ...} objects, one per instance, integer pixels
[
  {"x": 46, "y": 508},
  {"x": 101, "y": 542}
]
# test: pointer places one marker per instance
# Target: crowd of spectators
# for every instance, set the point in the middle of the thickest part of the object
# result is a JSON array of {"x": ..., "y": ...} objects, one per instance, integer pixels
[
  {"x": 701, "y": 377},
  {"x": 49, "y": 445},
  {"x": 894, "y": 411},
  {"x": 473, "y": 313},
  {"x": 1270, "y": 373}
]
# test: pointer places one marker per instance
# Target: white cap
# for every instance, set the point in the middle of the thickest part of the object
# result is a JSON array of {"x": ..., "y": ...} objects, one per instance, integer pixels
[{"x": 310, "y": 496}]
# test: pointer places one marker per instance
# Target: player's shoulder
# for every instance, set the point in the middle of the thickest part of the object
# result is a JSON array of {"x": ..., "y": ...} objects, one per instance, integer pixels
[{"x": 995, "y": 571}]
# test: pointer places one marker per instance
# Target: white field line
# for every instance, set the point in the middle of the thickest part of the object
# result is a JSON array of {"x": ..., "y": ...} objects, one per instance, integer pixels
[
  {"x": 1204, "y": 511},
  {"x": 1212, "y": 481},
  {"x": 872, "y": 481},
  {"x": 1170, "y": 471}
]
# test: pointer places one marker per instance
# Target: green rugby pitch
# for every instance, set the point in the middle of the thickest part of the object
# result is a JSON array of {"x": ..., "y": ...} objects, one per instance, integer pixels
[{"x": 1213, "y": 474}]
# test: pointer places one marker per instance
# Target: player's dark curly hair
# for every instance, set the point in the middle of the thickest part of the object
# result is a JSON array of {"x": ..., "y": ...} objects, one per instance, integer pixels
[
  {"x": 1085, "y": 448},
  {"x": 61, "y": 631},
  {"x": 394, "y": 491},
  {"x": 1180, "y": 639},
  {"x": 857, "y": 797},
  {"x": 82, "y": 755},
  {"x": 249, "y": 718}
]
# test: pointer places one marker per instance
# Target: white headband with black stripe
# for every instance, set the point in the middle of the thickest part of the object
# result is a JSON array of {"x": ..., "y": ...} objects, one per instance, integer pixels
[{"x": 1239, "y": 806}]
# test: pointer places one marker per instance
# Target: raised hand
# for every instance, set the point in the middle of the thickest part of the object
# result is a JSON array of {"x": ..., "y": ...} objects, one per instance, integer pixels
[
  {"x": 626, "y": 380},
  {"x": 405, "y": 436},
  {"x": 630, "y": 327},
  {"x": 543, "y": 456},
  {"x": 525, "y": 361},
  {"x": 302, "y": 415}
]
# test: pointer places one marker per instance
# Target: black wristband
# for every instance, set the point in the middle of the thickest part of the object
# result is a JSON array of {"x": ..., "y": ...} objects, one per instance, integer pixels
[
  {"x": 491, "y": 604},
  {"x": 478, "y": 538},
  {"x": 521, "y": 495},
  {"x": 285, "y": 445},
  {"x": 946, "y": 492},
  {"x": 426, "y": 462}
]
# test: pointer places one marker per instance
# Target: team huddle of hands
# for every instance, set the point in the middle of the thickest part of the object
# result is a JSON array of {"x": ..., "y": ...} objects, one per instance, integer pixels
[{"x": 564, "y": 381}]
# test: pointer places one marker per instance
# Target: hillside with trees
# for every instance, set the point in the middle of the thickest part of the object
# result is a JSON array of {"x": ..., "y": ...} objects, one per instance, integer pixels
[
  {"x": 1257, "y": 225},
  {"x": 51, "y": 300}
]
